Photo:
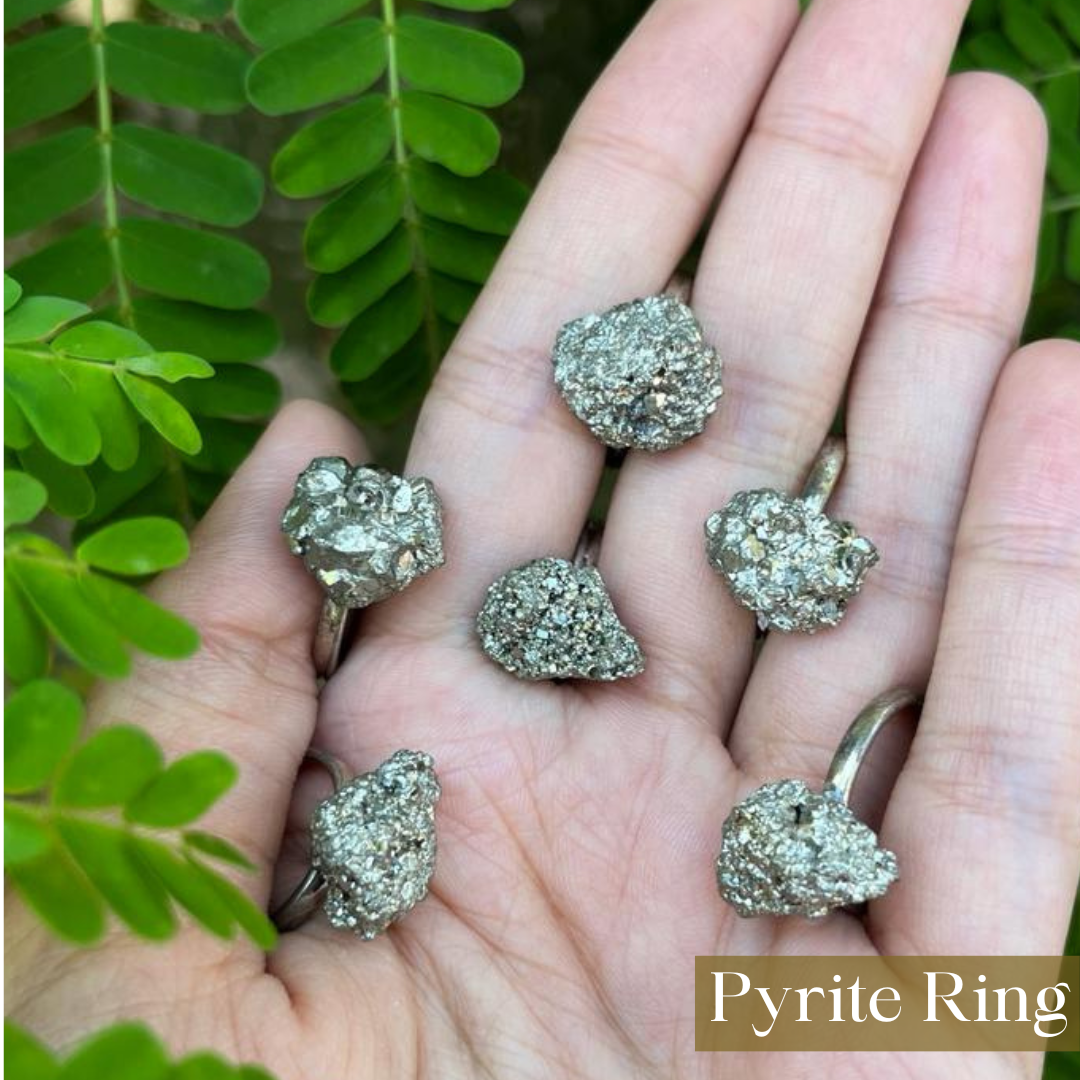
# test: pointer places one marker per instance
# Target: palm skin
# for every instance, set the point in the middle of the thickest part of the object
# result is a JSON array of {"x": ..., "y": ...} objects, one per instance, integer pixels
[{"x": 872, "y": 216}]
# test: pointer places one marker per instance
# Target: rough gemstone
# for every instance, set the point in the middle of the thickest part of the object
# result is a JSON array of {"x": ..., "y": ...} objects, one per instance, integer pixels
[
  {"x": 374, "y": 843},
  {"x": 787, "y": 850},
  {"x": 639, "y": 375},
  {"x": 793, "y": 565},
  {"x": 550, "y": 619},
  {"x": 363, "y": 532}
]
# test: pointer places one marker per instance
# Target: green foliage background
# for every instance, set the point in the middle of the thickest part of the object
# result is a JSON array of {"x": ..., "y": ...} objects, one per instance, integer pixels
[{"x": 161, "y": 291}]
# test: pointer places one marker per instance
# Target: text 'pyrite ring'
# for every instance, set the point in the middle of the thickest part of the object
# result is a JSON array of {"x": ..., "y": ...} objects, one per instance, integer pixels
[
  {"x": 783, "y": 558},
  {"x": 372, "y": 846},
  {"x": 364, "y": 534},
  {"x": 787, "y": 850}
]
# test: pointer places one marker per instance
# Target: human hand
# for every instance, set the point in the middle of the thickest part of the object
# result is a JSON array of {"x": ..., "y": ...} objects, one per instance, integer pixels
[{"x": 869, "y": 210}]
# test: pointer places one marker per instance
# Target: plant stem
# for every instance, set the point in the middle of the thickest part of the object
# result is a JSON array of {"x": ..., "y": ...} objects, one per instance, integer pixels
[
  {"x": 1057, "y": 73},
  {"x": 105, "y": 135},
  {"x": 410, "y": 214},
  {"x": 173, "y": 464},
  {"x": 1063, "y": 203}
]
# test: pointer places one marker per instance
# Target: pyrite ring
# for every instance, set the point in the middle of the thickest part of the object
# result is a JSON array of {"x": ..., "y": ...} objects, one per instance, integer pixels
[
  {"x": 787, "y": 850},
  {"x": 783, "y": 558},
  {"x": 640, "y": 375},
  {"x": 364, "y": 534},
  {"x": 372, "y": 846},
  {"x": 553, "y": 619}
]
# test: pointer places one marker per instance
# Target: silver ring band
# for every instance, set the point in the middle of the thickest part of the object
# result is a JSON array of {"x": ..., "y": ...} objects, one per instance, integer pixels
[
  {"x": 860, "y": 736},
  {"x": 305, "y": 899},
  {"x": 824, "y": 473},
  {"x": 327, "y": 648}
]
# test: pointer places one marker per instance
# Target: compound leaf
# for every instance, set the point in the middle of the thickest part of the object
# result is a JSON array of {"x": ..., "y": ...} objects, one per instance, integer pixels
[
  {"x": 24, "y": 498},
  {"x": 467, "y": 65},
  {"x": 491, "y": 202},
  {"x": 71, "y": 494},
  {"x": 460, "y": 252},
  {"x": 330, "y": 64},
  {"x": 179, "y": 68},
  {"x": 116, "y": 421},
  {"x": 57, "y": 890},
  {"x": 54, "y": 411},
  {"x": 218, "y": 336},
  {"x": 335, "y": 299},
  {"x": 135, "y": 546},
  {"x": 109, "y": 769},
  {"x": 12, "y": 293},
  {"x": 341, "y": 146},
  {"x": 188, "y": 264},
  {"x": 459, "y": 137},
  {"x": 26, "y": 645},
  {"x": 274, "y": 22},
  {"x": 39, "y": 317},
  {"x": 41, "y": 722},
  {"x": 139, "y": 620},
  {"x": 352, "y": 224},
  {"x": 47, "y": 178},
  {"x": 165, "y": 414},
  {"x": 97, "y": 340},
  {"x": 125, "y": 1051},
  {"x": 18, "y": 12},
  {"x": 77, "y": 266},
  {"x": 214, "y": 846},
  {"x": 172, "y": 367},
  {"x": 140, "y": 900},
  {"x": 188, "y": 888},
  {"x": 373, "y": 337},
  {"x": 184, "y": 791},
  {"x": 46, "y": 74},
  {"x": 181, "y": 175},
  {"x": 25, "y": 836}
]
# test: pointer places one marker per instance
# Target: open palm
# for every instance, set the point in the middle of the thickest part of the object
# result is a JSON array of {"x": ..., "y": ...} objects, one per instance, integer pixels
[{"x": 876, "y": 230}]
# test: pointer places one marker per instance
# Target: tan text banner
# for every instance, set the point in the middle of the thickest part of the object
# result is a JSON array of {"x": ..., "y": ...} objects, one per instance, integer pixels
[{"x": 887, "y": 1003}]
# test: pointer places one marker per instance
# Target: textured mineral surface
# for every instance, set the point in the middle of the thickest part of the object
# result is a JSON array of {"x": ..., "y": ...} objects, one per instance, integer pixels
[
  {"x": 374, "y": 843},
  {"x": 550, "y": 619},
  {"x": 793, "y": 565},
  {"x": 787, "y": 850},
  {"x": 639, "y": 375},
  {"x": 363, "y": 532}
]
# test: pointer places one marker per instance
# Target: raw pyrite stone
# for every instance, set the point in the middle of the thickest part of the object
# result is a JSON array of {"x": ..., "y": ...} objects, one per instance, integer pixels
[
  {"x": 790, "y": 851},
  {"x": 363, "y": 532},
  {"x": 374, "y": 843},
  {"x": 640, "y": 374},
  {"x": 550, "y": 619},
  {"x": 793, "y": 565}
]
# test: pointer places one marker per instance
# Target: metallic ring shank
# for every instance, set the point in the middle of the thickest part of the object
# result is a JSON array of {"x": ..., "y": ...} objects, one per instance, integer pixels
[
  {"x": 856, "y": 743},
  {"x": 587, "y": 552},
  {"x": 305, "y": 899},
  {"x": 329, "y": 637},
  {"x": 824, "y": 473}
]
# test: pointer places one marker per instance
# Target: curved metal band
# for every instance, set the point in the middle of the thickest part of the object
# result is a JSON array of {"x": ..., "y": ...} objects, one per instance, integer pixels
[
  {"x": 330, "y": 637},
  {"x": 680, "y": 286},
  {"x": 856, "y": 743},
  {"x": 305, "y": 899},
  {"x": 587, "y": 552},
  {"x": 824, "y": 473}
]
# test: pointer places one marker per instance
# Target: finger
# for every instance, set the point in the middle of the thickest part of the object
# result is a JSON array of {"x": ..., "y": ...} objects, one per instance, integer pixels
[
  {"x": 613, "y": 215},
  {"x": 250, "y": 690},
  {"x": 948, "y": 311},
  {"x": 985, "y": 819},
  {"x": 785, "y": 280}
]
